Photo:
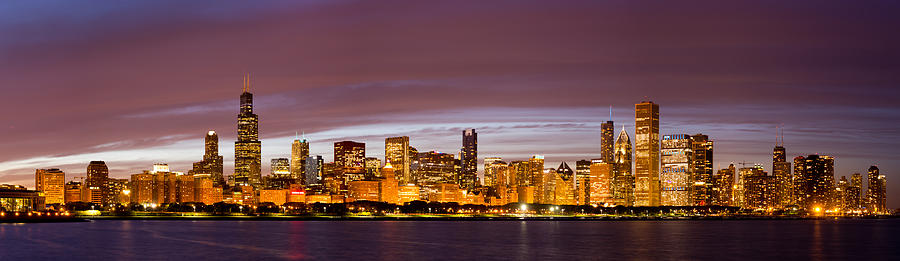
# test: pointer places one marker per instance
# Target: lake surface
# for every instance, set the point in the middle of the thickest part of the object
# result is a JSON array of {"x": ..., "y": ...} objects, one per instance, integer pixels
[{"x": 453, "y": 240}]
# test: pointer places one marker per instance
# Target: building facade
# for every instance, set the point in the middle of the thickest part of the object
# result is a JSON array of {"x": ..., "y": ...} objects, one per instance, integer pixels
[
  {"x": 247, "y": 148},
  {"x": 646, "y": 154}
]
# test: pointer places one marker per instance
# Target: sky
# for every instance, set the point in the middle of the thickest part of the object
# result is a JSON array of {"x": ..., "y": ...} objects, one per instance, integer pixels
[{"x": 137, "y": 83}]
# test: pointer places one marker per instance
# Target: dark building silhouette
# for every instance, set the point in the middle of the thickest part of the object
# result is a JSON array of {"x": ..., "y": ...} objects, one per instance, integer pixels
[
  {"x": 212, "y": 161},
  {"x": 468, "y": 159},
  {"x": 97, "y": 183}
]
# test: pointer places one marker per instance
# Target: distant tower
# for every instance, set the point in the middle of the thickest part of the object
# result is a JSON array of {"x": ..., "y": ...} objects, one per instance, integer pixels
[
  {"x": 781, "y": 169},
  {"x": 607, "y": 131},
  {"x": 350, "y": 159},
  {"x": 469, "y": 160},
  {"x": 97, "y": 183},
  {"x": 247, "y": 148},
  {"x": 702, "y": 172},
  {"x": 212, "y": 161},
  {"x": 396, "y": 152},
  {"x": 814, "y": 181},
  {"x": 623, "y": 179},
  {"x": 877, "y": 192},
  {"x": 299, "y": 153},
  {"x": 646, "y": 154}
]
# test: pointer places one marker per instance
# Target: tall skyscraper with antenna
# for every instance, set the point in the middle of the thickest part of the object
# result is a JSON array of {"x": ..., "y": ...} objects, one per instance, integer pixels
[
  {"x": 607, "y": 132},
  {"x": 299, "y": 153},
  {"x": 247, "y": 148},
  {"x": 781, "y": 169}
]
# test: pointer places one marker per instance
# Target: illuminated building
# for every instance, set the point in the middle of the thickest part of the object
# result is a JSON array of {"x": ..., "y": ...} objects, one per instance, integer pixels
[
  {"x": 205, "y": 190},
  {"x": 646, "y": 154},
  {"x": 52, "y": 183},
  {"x": 389, "y": 190},
  {"x": 296, "y": 194},
  {"x": 435, "y": 167},
  {"x": 876, "y": 195},
  {"x": 723, "y": 189},
  {"x": 397, "y": 152},
  {"x": 364, "y": 190},
  {"x": 408, "y": 192},
  {"x": 119, "y": 192},
  {"x": 702, "y": 169},
  {"x": 73, "y": 191},
  {"x": 582, "y": 181},
  {"x": 247, "y": 148},
  {"x": 526, "y": 194},
  {"x": 854, "y": 192},
  {"x": 445, "y": 192},
  {"x": 754, "y": 181},
  {"x": 468, "y": 158},
  {"x": 281, "y": 167},
  {"x": 350, "y": 159},
  {"x": 277, "y": 196},
  {"x": 841, "y": 193},
  {"x": 623, "y": 179},
  {"x": 97, "y": 183},
  {"x": 536, "y": 176},
  {"x": 781, "y": 169},
  {"x": 299, "y": 154},
  {"x": 333, "y": 180},
  {"x": 212, "y": 161},
  {"x": 600, "y": 183},
  {"x": 313, "y": 170},
  {"x": 675, "y": 176},
  {"x": 564, "y": 185},
  {"x": 813, "y": 187},
  {"x": 142, "y": 188},
  {"x": 607, "y": 132},
  {"x": 17, "y": 198},
  {"x": 373, "y": 167},
  {"x": 495, "y": 173}
]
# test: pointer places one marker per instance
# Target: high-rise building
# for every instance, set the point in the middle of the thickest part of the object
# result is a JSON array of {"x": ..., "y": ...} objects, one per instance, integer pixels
[
  {"x": 373, "y": 168},
  {"x": 313, "y": 170},
  {"x": 623, "y": 179},
  {"x": 52, "y": 182},
  {"x": 813, "y": 187},
  {"x": 646, "y": 154},
  {"x": 876, "y": 194},
  {"x": 389, "y": 186},
  {"x": 781, "y": 169},
  {"x": 118, "y": 191},
  {"x": 723, "y": 189},
  {"x": 582, "y": 182},
  {"x": 97, "y": 183},
  {"x": 73, "y": 191},
  {"x": 397, "y": 153},
  {"x": 212, "y": 161},
  {"x": 854, "y": 192},
  {"x": 702, "y": 170},
  {"x": 495, "y": 173},
  {"x": 281, "y": 167},
  {"x": 607, "y": 132},
  {"x": 350, "y": 159},
  {"x": 299, "y": 153},
  {"x": 468, "y": 159},
  {"x": 434, "y": 167},
  {"x": 142, "y": 187},
  {"x": 564, "y": 185},
  {"x": 675, "y": 176},
  {"x": 600, "y": 181},
  {"x": 247, "y": 148},
  {"x": 536, "y": 176},
  {"x": 754, "y": 181}
]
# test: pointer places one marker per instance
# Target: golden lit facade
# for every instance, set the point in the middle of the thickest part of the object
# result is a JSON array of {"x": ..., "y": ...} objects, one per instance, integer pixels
[
  {"x": 536, "y": 178},
  {"x": 350, "y": 159},
  {"x": 701, "y": 170},
  {"x": 646, "y": 154},
  {"x": 397, "y": 153},
  {"x": 247, "y": 148},
  {"x": 52, "y": 183},
  {"x": 299, "y": 153},
  {"x": 675, "y": 175},
  {"x": 600, "y": 183},
  {"x": 623, "y": 178},
  {"x": 407, "y": 193}
]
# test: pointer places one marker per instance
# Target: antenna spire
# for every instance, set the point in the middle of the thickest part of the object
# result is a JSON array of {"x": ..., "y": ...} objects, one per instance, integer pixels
[{"x": 610, "y": 113}]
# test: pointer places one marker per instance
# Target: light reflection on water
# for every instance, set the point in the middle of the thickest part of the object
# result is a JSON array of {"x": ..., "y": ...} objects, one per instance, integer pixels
[{"x": 452, "y": 240}]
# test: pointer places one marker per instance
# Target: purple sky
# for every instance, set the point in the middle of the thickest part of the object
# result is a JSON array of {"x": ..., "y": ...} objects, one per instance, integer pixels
[{"x": 139, "y": 83}]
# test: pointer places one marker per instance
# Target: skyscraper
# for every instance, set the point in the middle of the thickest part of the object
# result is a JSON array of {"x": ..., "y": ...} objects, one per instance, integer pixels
[
  {"x": 212, "y": 161},
  {"x": 854, "y": 192},
  {"x": 607, "y": 132},
  {"x": 53, "y": 183},
  {"x": 313, "y": 170},
  {"x": 754, "y": 182},
  {"x": 247, "y": 148},
  {"x": 396, "y": 152},
  {"x": 495, "y": 172},
  {"x": 702, "y": 171},
  {"x": 281, "y": 167},
  {"x": 675, "y": 176},
  {"x": 813, "y": 187},
  {"x": 299, "y": 153},
  {"x": 350, "y": 159},
  {"x": 781, "y": 169},
  {"x": 469, "y": 160},
  {"x": 536, "y": 177},
  {"x": 724, "y": 187},
  {"x": 600, "y": 183},
  {"x": 877, "y": 191},
  {"x": 646, "y": 154},
  {"x": 97, "y": 183},
  {"x": 623, "y": 179}
]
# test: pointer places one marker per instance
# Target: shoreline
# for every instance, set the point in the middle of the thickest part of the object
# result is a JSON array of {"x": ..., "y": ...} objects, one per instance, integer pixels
[{"x": 457, "y": 218}]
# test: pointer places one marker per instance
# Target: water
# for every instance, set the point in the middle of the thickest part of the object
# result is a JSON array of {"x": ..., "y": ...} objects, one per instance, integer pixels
[{"x": 453, "y": 240}]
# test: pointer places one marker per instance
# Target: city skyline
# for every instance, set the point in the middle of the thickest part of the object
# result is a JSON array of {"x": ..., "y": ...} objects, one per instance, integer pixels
[{"x": 166, "y": 123}]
